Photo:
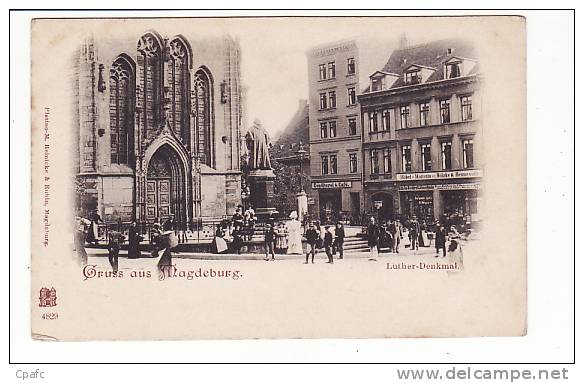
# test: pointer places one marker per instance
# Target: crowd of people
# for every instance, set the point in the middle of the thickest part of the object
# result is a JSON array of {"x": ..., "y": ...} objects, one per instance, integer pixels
[
  {"x": 328, "y": 237},
  {"x": 278, "y": 237},
  {"x": 390, "y": 234}
]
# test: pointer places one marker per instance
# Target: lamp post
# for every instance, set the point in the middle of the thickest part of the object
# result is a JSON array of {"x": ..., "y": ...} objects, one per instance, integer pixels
[
  {"x": 301, "y": 152},
  {"x": 301, "y": 198}
]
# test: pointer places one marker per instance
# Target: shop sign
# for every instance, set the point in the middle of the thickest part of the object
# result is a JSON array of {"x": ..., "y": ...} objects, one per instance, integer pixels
[
  {"x": 331, "y": 185},
  {"x": 469, "y": 186},
  {"x": 439, "y": 175},
  {"x": 310, "y": 200}
]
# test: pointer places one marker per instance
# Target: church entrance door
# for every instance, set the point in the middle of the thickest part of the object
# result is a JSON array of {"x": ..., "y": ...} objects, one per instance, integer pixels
[{"x": 165, "y": 187}]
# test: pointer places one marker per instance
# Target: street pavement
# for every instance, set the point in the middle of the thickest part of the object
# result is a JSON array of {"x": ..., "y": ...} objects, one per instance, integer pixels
[{"x": 404, "y": 254}]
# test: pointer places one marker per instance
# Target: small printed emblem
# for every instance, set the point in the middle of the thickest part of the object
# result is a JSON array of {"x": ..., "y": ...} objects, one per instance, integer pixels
[{"x": 47, "y": 297}]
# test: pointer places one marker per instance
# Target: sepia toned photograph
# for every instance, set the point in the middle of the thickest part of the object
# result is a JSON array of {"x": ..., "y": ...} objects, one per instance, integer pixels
[{"x": 278, "y": 177}]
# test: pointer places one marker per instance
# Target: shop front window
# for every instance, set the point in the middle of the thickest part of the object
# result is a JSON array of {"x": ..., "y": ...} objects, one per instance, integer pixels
[{"x": 418, "y": 204}]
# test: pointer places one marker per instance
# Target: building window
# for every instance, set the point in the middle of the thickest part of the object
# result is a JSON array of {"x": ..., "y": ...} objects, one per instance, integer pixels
[
  {"x": 333, "y": 163},
  {"x": 404, "y": 113},
  {"x": 353, "y": 162},
  {"x": 322, "y": 72},
  {"x": 373, "y": 122},
  {"x": 332, "y": 129},
  {"x": 122, "y": 87},
  {"x": 376, "y": 84},
  {"x": 150, "y": 63},
  {"x": 424, "y": 114},
  {"x": 352, "y": 96},
  {"x": 468, "y": 153},
  {"x": 203, "y": 102},
  {"x": 413, "y": 77},
  {"x": 426, "y": 157},
  {"x": 332, "y": 99},
  {"x": 331, "y": 70},
  {"x": 406, "y": 158},
  {"x": 350, "y": 66},
  {"x": 352, "y": 126},
  {"x": 374, "y": 162},
  {"x": 453, "y": 70},
  {"x": 178, "y": 77},
  {"x": 386, "y": 161},
  {"x": 466, "y": 105},
  {"x": 323, "y": 130},
  {"x": 385, "y": 116},
  {"x": 446, "y": 155},
  {"x": 324, "y": 161},
  {"x": 444, "y": 111},
  {"x": 322, "y": 101}
]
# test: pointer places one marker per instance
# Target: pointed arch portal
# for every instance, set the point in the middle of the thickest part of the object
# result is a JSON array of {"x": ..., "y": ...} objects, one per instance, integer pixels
[{"x": 166, "y": 192}]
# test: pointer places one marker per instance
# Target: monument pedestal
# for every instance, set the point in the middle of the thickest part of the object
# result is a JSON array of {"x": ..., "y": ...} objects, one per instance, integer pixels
[{"x": 261, "y": 192}]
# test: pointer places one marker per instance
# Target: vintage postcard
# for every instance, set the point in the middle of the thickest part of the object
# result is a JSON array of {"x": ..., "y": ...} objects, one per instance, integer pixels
[{"x": 278, "y": 177}]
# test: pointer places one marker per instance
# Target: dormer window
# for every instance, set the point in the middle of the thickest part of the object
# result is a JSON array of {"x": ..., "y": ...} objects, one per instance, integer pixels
[
  {"x": 413, "y": 77},
  {"x": 458, "y": 67},
  {"x": 453, "y": 69},
  {"x": 382, "y": 80},
  {"x": 376, "y": 84}
]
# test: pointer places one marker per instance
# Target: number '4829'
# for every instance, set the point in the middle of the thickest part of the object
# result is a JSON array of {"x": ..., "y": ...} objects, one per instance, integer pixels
[{"x": 50, "y": 316}]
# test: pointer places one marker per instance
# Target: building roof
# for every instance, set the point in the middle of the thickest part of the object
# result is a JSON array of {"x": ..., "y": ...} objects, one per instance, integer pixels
[
  {"x": 286, "y": 145},
  {"x": 432, "y": 55}
]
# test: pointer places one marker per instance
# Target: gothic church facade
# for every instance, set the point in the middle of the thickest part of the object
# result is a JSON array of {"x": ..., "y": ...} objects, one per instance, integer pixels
[{"x": 158, "y": 121}]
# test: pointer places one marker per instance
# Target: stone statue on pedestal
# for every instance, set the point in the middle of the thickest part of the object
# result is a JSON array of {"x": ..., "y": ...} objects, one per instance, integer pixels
[
  {"x": 257, "y": 141},
  {"x": 260, "y": 177}
]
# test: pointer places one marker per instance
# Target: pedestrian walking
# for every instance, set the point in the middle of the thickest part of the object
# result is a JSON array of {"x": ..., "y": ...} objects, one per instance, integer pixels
[
  {"x": 115, "y": 241},
  {"x": 396, "y": 230},
  {"x": 339, "y": 239},
  {"x": 269, "y": 241},
  {"x": 93, "y": 233},
  {"x": 169, "y": 224},
  {"x": 414, "y": 233},
  {"x": 373, "y": 239},
  {"x": 81, "y": 231},
  {"x": 312, "y": 236},
  {"x": 440, "y": 240},
  {"x": 156, "y": 239},
  {"x": 328, "y": 243},
  {"x": 134, "y": 239}
]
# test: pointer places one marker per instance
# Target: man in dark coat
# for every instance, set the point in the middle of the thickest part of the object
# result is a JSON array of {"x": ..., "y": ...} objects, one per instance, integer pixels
[
  {"x": 414, "y": 233},
  {"x": 169, "y": 224},
  {"x": 134, "y": 240},
  {"x": 270, "y": 241},
  {"x": 115, "y": 242},
  {"x": 339, "y": 239},
  {"x": 440, "y": 241},
  {"x": 312, "y": 237},
  {"x": 373, "y": 239},
  {"x": 328, "y": 243}
]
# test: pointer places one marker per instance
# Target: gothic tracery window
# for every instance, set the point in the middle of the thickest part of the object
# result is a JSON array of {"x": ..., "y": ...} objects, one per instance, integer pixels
[
  {"x": 121, "y": 111},
  {"x": 150, "y": 81},
  {"x": 178, "y": 82},
  {"x": 203, "y": 116}
]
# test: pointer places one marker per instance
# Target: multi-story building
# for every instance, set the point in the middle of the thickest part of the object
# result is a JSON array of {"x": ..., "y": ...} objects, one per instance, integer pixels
[
  {"x": 158, "y": 121},
  {"x": 335, "y": 129},
  {"x": 422, "y": 133}
]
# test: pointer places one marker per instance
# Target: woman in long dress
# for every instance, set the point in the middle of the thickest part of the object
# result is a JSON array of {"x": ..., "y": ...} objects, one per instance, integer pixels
[{"x": 294, "y": 234}]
